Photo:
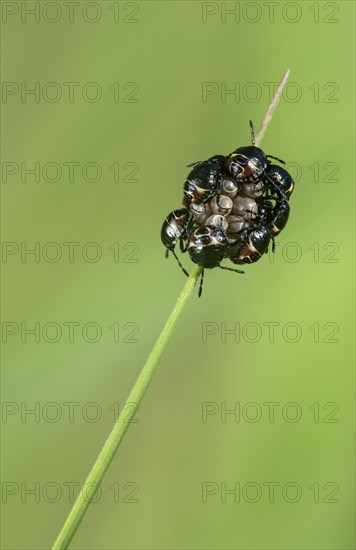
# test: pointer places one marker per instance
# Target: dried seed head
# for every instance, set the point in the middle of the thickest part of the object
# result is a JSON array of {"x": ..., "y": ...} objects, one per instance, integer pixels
[
  {"x": 230, "y": 187},
  {"x": 236, "y": 224},
  {"x": 200, "y": 212},
  {"x": 223, "y": 206},
  {"x": 245, "y": 207},
  {"x": 218, "y": 221},
  {"x": 253, "y": 190}
]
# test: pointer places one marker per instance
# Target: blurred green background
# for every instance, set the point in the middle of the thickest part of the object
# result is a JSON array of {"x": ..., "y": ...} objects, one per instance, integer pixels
[{"x": 121, "y": 85}]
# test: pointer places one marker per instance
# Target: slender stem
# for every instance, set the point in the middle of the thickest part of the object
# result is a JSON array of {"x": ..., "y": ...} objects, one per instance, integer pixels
[
  {"x": 112, "y": 443},
  {"x": 271, "y": 109}
]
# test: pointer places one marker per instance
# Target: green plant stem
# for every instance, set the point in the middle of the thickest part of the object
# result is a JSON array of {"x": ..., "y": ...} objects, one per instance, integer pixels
[{"x": 112, "y": 443}]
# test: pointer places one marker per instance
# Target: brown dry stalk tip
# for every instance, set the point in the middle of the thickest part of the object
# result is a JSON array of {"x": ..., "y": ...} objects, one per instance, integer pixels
[{"x": 271, "y": 109}]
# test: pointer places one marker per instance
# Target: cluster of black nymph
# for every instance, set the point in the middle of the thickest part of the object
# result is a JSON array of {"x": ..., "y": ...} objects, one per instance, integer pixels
[{"x": 234, "y": 207}]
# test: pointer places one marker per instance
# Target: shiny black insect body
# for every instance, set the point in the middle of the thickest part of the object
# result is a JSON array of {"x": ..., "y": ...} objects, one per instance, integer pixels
[
  {"x": 207, "y": 247},
  {"x": 279, "y": 181},
  {"x": 247, "y": 164},
  {"x": 234, "y": 207},
  {"x": 255, "y": 173},
  {"x": 174, "y": 229},
  {"x": 204, "y": 180},
  {"x": 251, "y": 246},
  {"x": 274, "y": 216},
  {"x": 278, "y": 216}
]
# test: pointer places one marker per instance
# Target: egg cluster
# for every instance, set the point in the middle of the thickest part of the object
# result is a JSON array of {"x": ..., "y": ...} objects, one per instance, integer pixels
[{"x": 234, "y": 207}]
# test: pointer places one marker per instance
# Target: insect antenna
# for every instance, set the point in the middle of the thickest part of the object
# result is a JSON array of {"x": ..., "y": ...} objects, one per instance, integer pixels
[
  {"x": 180, "y": 265},
  {"x": 201, "y": 283},
  {"x": 278, "y": 189},
  {"x": 276, "y": 158},
  {"x": 252, "y": 133},
  {"x": 231, "y": 269}
]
